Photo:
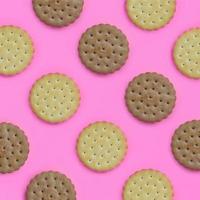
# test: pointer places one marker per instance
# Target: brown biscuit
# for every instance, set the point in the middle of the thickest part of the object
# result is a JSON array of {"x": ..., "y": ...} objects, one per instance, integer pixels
[
  {"x": 103, "y": 49},
  {"x": 50, "y": 186},
  {"x": 150, "y": 97},
  {"x": 14, "y": 148},
  {"x": 58, "y": 13},
  {"x": 186, "y": 144}
]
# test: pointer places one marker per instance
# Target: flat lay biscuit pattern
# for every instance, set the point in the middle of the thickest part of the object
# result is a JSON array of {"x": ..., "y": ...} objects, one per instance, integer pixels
[
  {"x": 152, "y": 100},
  {"x": 54, "y": 98},
  {"x": 103, "y": 48},
  {"x": 150, "y": 14},
  {"x": 187, "y": 53},
  {"x": 186, "y": 144},
  {"x": 50, "y": 186},
  {"x": 101, "y": 146},
  {"x": 14, "y": 148},
  {"x": 58, "y": 13},
  {"x": 148, "y": 185},
  {"x": 150, "y": 97},
  {"x": 16, "y": 50}
]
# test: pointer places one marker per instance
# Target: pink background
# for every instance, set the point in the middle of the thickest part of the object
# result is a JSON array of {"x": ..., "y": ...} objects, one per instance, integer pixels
[{"x": 52, "y": 147}]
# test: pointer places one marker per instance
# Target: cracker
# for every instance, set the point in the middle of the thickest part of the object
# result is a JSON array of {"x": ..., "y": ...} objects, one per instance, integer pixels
[
  {"x": 148, "y": 185},
  {"x": 150, "y": 14},
  {"x": 101, "y": 146},
  {"x": 50, "y": 186},
  {"x": 14, "y": 148},
  {"x": 16, "y": 50},
  {"x": 150, "y": 97},
  {"x": 54, "y": 98},
  {"x": 58, "y": 13},
  {"x": 187, "y": 53},
  {"x": 186, "y": 144},
  {"x": 103, "y": 48}
]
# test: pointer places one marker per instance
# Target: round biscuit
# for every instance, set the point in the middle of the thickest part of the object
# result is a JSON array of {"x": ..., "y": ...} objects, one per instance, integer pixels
[
  {"x": 58, "y": 13},
  {"x": 187, "y": 53},
  {"x": 150, "y": 97},
  {"x": 186, "y": 144},
  {"x": 103, "y": 49},
  {"x": 50, "y": 186},
  {"x": 54, "y": 98},
  {"x": 16, "y": 50},
  {"x": 101, "y": 146},
  {"x": 150, "y": 14},
  {"x": 146, "y": 185},
  {"x": 14, "y": 148}
]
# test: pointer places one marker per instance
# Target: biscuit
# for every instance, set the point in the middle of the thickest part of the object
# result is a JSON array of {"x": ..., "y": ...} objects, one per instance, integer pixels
[
  {"x": 150, "y": 14},
  {"x": 103, "y": 49},
  {"x": 186, "y": 144},
  {"x": 148, "y": 185},
  {"x": 14, "y": 148},
  {"x": 150, "y": 97},
  {"x": 50, "y": 186},
  {"x": 58, "y": 13},
  {"x": 54, "y": 98},
  {"x": 16, "y": 50},
  {"x": 101, "y": 146},
  {"x": 187, "y": 53}
]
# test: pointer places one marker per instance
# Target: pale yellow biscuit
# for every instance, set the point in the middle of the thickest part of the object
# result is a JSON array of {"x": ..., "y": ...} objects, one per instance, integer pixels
[
  {"x": 16, "y": 50},
  {"x": 54, "y": 98},
  {"x": 101, "y": 146},
  {"x": 148, "y": 185},
  {"x": 187, "y": 53},
  {"x": 150, "y": 14}
]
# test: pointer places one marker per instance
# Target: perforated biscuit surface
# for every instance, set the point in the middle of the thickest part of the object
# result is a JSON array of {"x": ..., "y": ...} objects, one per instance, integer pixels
[
  {"x": 14, "y": 148},
  {"x": 50, "y": 186},
  {"x": 101, "y": 146},
  {"x": 148, "y": 185},
  {"x": 54, "y": 98},
  {"x": 186, "y": 144},
  {"x": 187, "y": 53},
  {"x": 150, "y": 14},
  {"x": 150, "y": 97},
  {"x": 103, "y": 49},
  {"x": 16, "y": 50},
  {"x": 58, "y": 12}
]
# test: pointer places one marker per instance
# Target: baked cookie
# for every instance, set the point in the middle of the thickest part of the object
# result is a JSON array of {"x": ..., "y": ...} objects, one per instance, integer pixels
[
  {"x": 186, "y": 144},
  {"x": 187, "y": 53},
  {"x": 103, "y": 49},
  {"x": 150, "y": 14},
  {"x": 148, "y": 185},
  {"x": 101, "y": 146},
  {"x": 150, "y": 97},
  {"x": 16, "y": 50},
  {"x": 14, "y": 148},
  {"x": 58, "y": 13},
  {"x": 54, "y": 98},
  {"x": 50, "y": 186}
]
